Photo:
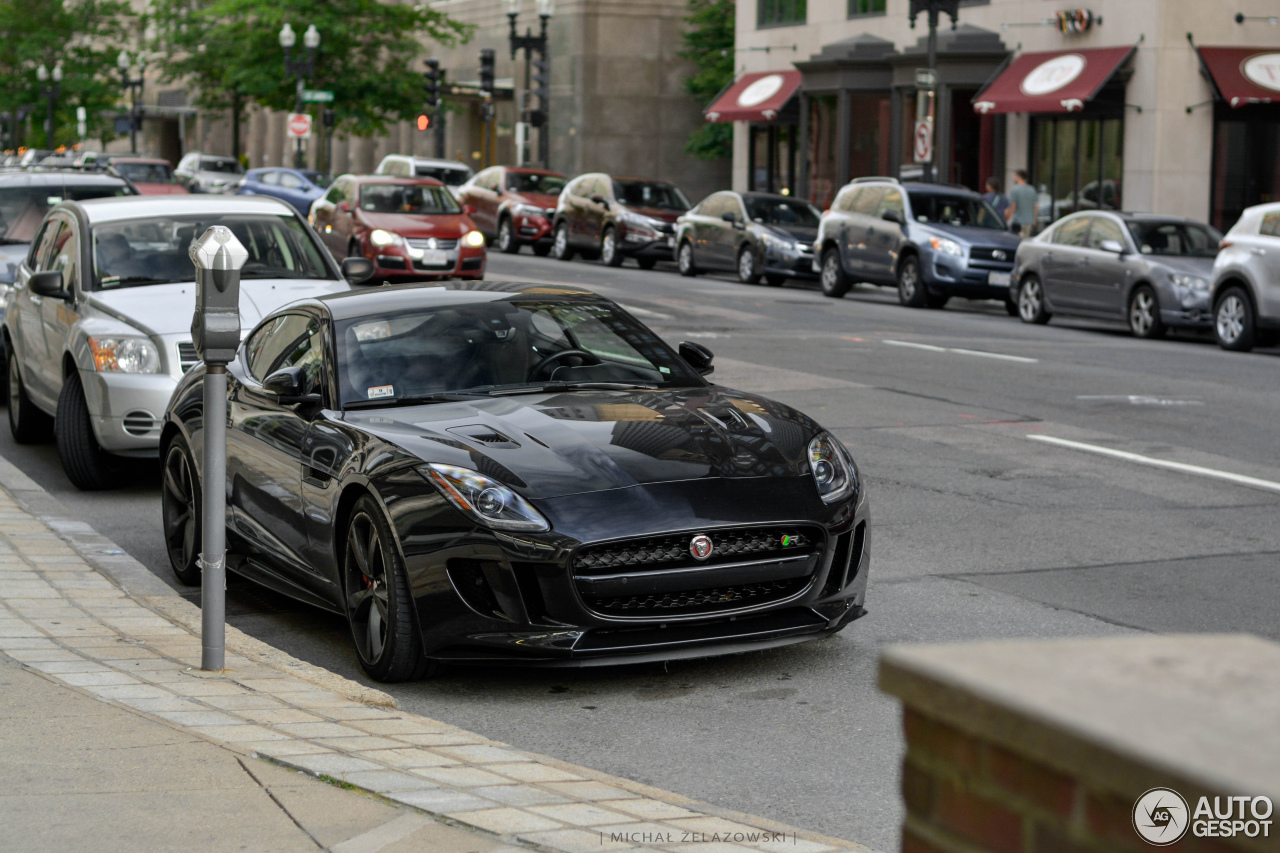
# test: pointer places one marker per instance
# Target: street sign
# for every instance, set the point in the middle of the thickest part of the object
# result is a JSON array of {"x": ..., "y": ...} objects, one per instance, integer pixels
[
  {"x": 923, "y": 146},
  {"x": 926, "y": 78},
  {"x": 299, "y": 126},
  {"x": 317, "y": 96}
]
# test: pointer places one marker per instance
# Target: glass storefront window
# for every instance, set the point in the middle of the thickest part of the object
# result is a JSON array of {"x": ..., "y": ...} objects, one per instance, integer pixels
[
  {"x": 780, "y": 13},
  {"x": 1246, "y": 160},
  {"x": 1077, "y": 164},
  {"x": 869, "y": 151},
  {"x": 772, "y": 158},
  {"x": 858, "y": 8}
]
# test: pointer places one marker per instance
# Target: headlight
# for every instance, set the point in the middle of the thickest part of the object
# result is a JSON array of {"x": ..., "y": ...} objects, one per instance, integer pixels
[
  {"x": 946, "y": 247},
  {"x": 528, "y": 210},
  {"x": 124, "y": 355},
  {"x": 776, "y": 244},
  {"x": 635, "y": 220},
  {"x": 484, "y": 498},
  {"x": 6, "y": 293},
  {"x": 1190, "y": 282},
  {"x": 831, "y": 470},
  {"x": 474, "y": 239},
  {"x": 378, "y": 237}
]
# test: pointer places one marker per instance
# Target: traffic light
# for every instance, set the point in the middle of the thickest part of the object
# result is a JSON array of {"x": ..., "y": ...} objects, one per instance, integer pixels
[
  {"x": 424, "y": 121},
  {"x": 542, "y": 80},
  {"x": 486, "y": 71},
  {"x": 431, "y": 85}
]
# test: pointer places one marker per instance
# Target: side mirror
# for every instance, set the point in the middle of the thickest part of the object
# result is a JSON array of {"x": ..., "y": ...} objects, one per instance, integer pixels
[
  {"x": 287, "y": 385},
  {"x": 469, "y": 209},
  {"x": 49, "y": 283},
  {"x": 1112, "y": 246},
  {"x": 599, "y": 199},
  {"x": 357, "y": 270},
  {"x": 729, "y": 217},
  {"x": 344, "y": 207},
  {"x": 697, "y": 356},
  {"x": 894, "y": 216}
]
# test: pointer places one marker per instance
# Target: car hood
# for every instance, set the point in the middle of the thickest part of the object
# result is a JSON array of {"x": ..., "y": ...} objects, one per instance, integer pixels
[
  {"x": 583, "y": 441},
  {"x": 166, "y": 309},
  {"x": 1202, "y": 267},
  {"x": 802, "y": 233},
  {"x": 145, "y": 188},
  {"x": 546, "y": 202},
  {"x": 973, "y": 235},
  {"x": 425, "y": 225},
  {"x": 11, "y": 255}
]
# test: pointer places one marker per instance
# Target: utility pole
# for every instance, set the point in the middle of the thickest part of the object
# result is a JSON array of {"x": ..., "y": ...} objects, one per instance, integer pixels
[
  {"x": 927, "y": 85},
  {"x": 487, "y": 110},
  {"x": 537, "y": 82}
]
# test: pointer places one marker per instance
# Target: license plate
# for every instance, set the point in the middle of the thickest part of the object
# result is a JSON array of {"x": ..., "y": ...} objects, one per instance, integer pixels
[
  {"x": 437, "y": 258},
  {"x": 1000, "y": 279}
]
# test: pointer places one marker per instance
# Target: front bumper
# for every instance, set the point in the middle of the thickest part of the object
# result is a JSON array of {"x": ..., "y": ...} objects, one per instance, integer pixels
[
  {"x": 800, "y": 265},
  {"x": 127, "y": 409},
  {"x": 633, "y": 242},
  {"x": 966, "y": 277},
  {"x": 531, "y": 229},
  {"x": 398, "y": 262}
]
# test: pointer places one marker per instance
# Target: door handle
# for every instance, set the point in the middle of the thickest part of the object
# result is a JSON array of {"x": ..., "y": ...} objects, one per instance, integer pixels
[{"x": 1258, "y": 251}]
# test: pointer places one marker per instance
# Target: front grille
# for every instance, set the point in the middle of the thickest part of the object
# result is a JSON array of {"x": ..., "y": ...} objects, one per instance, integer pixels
[
  {"x": 672, "y": 550},
  {"x": 139, "y": 422},
  {"x": 187, "y": 357},
  {"x": 433, "y": 243},
  {"x": 699, "y": 600},
  {"x": 988, "y": 253}
]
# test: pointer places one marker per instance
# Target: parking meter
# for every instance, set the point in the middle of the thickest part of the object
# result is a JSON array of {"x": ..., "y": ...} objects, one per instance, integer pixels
[{"x": 215, "y": 331}]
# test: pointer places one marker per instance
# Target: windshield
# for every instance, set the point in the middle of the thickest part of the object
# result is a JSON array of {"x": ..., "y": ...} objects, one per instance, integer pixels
[
  {"x": 650, "y": 194},
  {"x": 145, "y": 173},
  {"x": 532, "y": 182},
  {"x": 23, "y": 208},
  {"x": 775, "y": 211},
  {"x": 221, "y": 164},
  {"x": 407, "y": 198},
  {"x": 445, "y": 175},
  {"x": 154, "y": 250},
  {"x": 500, "y": 347},
  {"x": 1175, "y": 238},
  {"x": 944, "y": 209},
  {"x": 320, "y": 179}
]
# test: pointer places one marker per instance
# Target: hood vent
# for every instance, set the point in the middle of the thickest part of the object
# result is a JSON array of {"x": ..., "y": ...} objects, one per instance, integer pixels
[{"x": 488, "y": 436}]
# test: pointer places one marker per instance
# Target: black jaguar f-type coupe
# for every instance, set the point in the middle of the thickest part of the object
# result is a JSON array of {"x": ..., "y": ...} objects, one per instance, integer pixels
[{"x": 517, "y": 473}]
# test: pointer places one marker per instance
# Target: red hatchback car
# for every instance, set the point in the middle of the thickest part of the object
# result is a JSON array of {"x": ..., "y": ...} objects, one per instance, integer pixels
[
  {"x": 149, "y": 175},
  {"x": 514, "y": 207},
  {"x": 411, "y": 228}
]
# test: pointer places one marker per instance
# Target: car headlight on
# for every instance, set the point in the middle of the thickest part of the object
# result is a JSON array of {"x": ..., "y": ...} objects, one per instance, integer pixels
[
  {"x": 946, "y": 247},
  {"x": 832, "y": 471},
  {"x": 378, "y": 237},
  {"x": 473, "y": 239},
  {"x": 484, "y": 498},
  {"x": 124, "y": 355}
]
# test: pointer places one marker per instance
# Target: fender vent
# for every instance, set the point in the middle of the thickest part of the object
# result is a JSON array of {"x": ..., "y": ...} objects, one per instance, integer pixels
[
  {"x": 187, "y": 357},
  {"x": 484, "y": 435},
  {"x": 139, "y": 423}
]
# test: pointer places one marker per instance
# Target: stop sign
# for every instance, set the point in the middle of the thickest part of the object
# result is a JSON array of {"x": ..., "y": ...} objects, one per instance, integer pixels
[{"x": 299, "y": 126}]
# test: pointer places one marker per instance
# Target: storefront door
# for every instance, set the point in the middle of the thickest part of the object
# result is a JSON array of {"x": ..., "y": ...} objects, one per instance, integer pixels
[
  {"x": 1077, "y": 164},
  {"x": 1246, "y": 160}
]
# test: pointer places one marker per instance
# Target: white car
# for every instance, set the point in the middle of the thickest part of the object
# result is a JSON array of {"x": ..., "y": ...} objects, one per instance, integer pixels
[
  {"x": 98, "y": 332},
  {"x": 1245, "y": 293},
  {"x": 451, "y": 173}
]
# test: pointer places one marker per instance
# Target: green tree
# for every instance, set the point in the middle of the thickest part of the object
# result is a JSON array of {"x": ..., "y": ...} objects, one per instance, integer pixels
[
  {"x": 84, "y": 35},
  {"x": 708, "y": 43},
  {"x": 229, "y": 52}
]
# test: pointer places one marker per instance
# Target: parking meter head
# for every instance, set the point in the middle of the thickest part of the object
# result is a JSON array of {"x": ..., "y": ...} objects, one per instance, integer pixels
[{"x": 215, "y": 327}]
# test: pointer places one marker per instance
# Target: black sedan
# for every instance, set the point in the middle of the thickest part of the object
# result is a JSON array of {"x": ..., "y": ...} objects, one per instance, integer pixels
[
  {"x": 753, "y": 234},
  {"x": 490, "y": 473}
]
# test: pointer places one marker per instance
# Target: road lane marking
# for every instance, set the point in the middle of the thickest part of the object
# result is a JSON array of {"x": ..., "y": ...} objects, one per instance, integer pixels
[
  {"x": 1140, "y": 399},
  {"x": 1182, "y": 467},
  {"x": 1022, "y": 359}
]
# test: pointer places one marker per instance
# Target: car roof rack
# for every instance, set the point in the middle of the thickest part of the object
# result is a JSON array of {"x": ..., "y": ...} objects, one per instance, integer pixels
[{"x": 869, "y": 178}]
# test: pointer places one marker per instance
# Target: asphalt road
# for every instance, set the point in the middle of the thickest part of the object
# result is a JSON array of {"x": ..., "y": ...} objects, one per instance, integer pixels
[{"x": 981, "y": 529}]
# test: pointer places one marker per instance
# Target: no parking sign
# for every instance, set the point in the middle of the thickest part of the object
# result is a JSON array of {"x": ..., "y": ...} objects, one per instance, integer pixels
[{"x": 923, "y": 147}]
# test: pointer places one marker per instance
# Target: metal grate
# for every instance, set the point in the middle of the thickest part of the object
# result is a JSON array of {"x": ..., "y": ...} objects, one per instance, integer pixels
[
  {"x": 187, "y": 357},
  {"x": 673, "y": 549},
  {"x": 991, "y": 253},
  {"x": 700, "y": 600},
  {"x": 139, "y": 422},
  {"x": 433, "y": 243}
]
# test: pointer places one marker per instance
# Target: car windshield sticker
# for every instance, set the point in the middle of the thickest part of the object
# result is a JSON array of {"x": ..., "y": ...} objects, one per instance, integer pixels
[
  {"x": 382, "y": 391},
  {"x": 662, "y": 369}
]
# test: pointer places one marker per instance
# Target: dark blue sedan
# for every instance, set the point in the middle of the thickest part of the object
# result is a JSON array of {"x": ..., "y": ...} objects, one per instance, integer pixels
[{"x": 298, "y": 187}]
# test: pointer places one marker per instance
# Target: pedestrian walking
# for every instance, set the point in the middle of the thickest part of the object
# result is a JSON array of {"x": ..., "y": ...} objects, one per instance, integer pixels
[
  {"x": 996, "y": 198},
  {"x": 1021, "y": 214}
]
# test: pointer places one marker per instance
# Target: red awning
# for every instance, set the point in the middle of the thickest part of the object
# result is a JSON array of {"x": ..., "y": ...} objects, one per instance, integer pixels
[
  {"x": 1055, "y": 81},
  {"x": 1243, "y": 75},
  {"x": 758, "y": 96}
]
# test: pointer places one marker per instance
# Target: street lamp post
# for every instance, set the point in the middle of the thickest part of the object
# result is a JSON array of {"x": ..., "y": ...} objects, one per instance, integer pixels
[
  {"x": 934, "y": 9},
  {"x": 302, "y": 69},
  {"x": 537, "y": 83},
  {"x": 134, "y": 85},
  {"x": 51, "y": 91}
]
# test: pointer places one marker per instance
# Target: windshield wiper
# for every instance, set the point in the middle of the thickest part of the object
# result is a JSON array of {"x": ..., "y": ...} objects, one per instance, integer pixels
[
  {"x": 574, "y": 386},
  {"x": 418, "y": 399},
  {"x": 6, "y": 241},
  {"x": 137, "y": 279},
  {"x": 276, "y": 273}
]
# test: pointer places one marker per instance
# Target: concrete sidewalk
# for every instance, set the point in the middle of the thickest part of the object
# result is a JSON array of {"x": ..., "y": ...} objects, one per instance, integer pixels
[{"x": 112, "y": 734}]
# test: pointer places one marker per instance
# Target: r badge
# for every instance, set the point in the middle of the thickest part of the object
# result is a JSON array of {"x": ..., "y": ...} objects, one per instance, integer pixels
[{"x": 700, "y": 546}]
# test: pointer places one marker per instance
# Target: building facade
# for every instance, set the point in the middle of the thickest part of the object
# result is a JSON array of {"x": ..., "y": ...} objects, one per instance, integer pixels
[{"x": 1152, "y": 105}]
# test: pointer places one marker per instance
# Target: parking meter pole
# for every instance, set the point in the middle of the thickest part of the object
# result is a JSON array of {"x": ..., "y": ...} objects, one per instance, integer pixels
[{"x": 215, "y": 332}]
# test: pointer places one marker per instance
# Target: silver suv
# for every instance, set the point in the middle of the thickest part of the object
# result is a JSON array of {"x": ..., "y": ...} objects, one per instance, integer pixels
[{"x": 1246, "y": 281}]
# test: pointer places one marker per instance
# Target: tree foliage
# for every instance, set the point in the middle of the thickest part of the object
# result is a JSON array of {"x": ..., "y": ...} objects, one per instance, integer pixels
[
  {"x": 708, "y": 43},
  {"x": 229, "y": 52},
  {"x": 85, "y": 36}
]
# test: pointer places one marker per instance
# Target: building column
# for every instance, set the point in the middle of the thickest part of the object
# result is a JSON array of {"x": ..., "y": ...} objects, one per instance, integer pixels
[
  {"x": 802, "y": 150},
  {"x": 895, "y": 132},
  {"x": 943, "y": 133},
  {"x": 844, "y": 135}
]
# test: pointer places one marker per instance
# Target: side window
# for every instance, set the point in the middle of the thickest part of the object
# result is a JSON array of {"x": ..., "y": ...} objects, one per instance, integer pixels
[
  {"x": 290, "y": 181},
  {"x": 847, "y": 199},
  {"x": 1104, "y": 229},
  {"x": 40, "y": 246},
  {"x": 713, "y": 206},
  {"x": 733, "y": 204},
  {"x": 1270, "y": 225},
  {"x": 492, "y": 180},
  {"x": 1072, "y": 232},
  {"x": 891, "y": 199},
  {"x": 603, "y": 186},
  {"x": 286, "y": 341},
  {"x": 867, "y": 201},
  {"x": 272, "y": 178},
  {"x": 64, "y": 256}
]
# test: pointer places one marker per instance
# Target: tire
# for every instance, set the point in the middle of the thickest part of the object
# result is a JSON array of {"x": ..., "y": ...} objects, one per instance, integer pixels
[
  {"x": 541, "y": 249},
  {"x": 1011, "y": 308},
  {"x": 560, "y": 248},
  {"x": 1031, "y": 308},
  {"x": 28, "y": 424},
  {"x": 747, "y": 271},
  {"x": 88, "y": 466},
  {"x": 507, "y": 242},
  {"x": 775, "y": 280},
  {"x": 1234, "y": 326},
  {"x": 1144, "y": 314},
  {"x": 834, "y": 281},
  {"x": 610, "y": 256},
  {"x": 646, "y": 262},
  {"x": 685, "y": 260},
  {"x": 180, "y": 510},
  {"x": 911, "y": 289},
  {"x": 376, "y": 590}
]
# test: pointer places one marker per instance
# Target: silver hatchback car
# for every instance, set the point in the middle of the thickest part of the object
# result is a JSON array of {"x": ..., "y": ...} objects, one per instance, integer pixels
[
  {"x": 98, "y": 332},
  {"x": 1246, "y": 281}
]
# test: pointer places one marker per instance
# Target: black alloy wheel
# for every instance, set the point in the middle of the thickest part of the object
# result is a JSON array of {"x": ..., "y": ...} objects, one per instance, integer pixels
[
  {"x": 28, "y": 424},
  {"x": 646, "y": 262},
  {"x": 180, "y": 511},
  {"x": 773, "y": 279},
  {"x": 835, "y": 282},
  {"x": 379, "y": 607},
  {"x": 1031, "y": 307},
  {"x": 747, "y": 267},
  {"x": 1233, "y": 321},
  {"x": 911, "y": 289},
  {"x": 560, "y": 248},
  {"x": 1144, "y": 313},
  {"x": 610, "y": 255},
  {"x": 685, "y": 261},
  {"x": 507, "y": 242},
  {"x": 87, "y": 465}
]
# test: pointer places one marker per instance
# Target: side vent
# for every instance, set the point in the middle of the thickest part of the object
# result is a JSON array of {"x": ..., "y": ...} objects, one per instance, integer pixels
[
  {"x": 485, "y": 435},
  {"x": 139, "y": 422},
  {"x": 187, "y": 357}
]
